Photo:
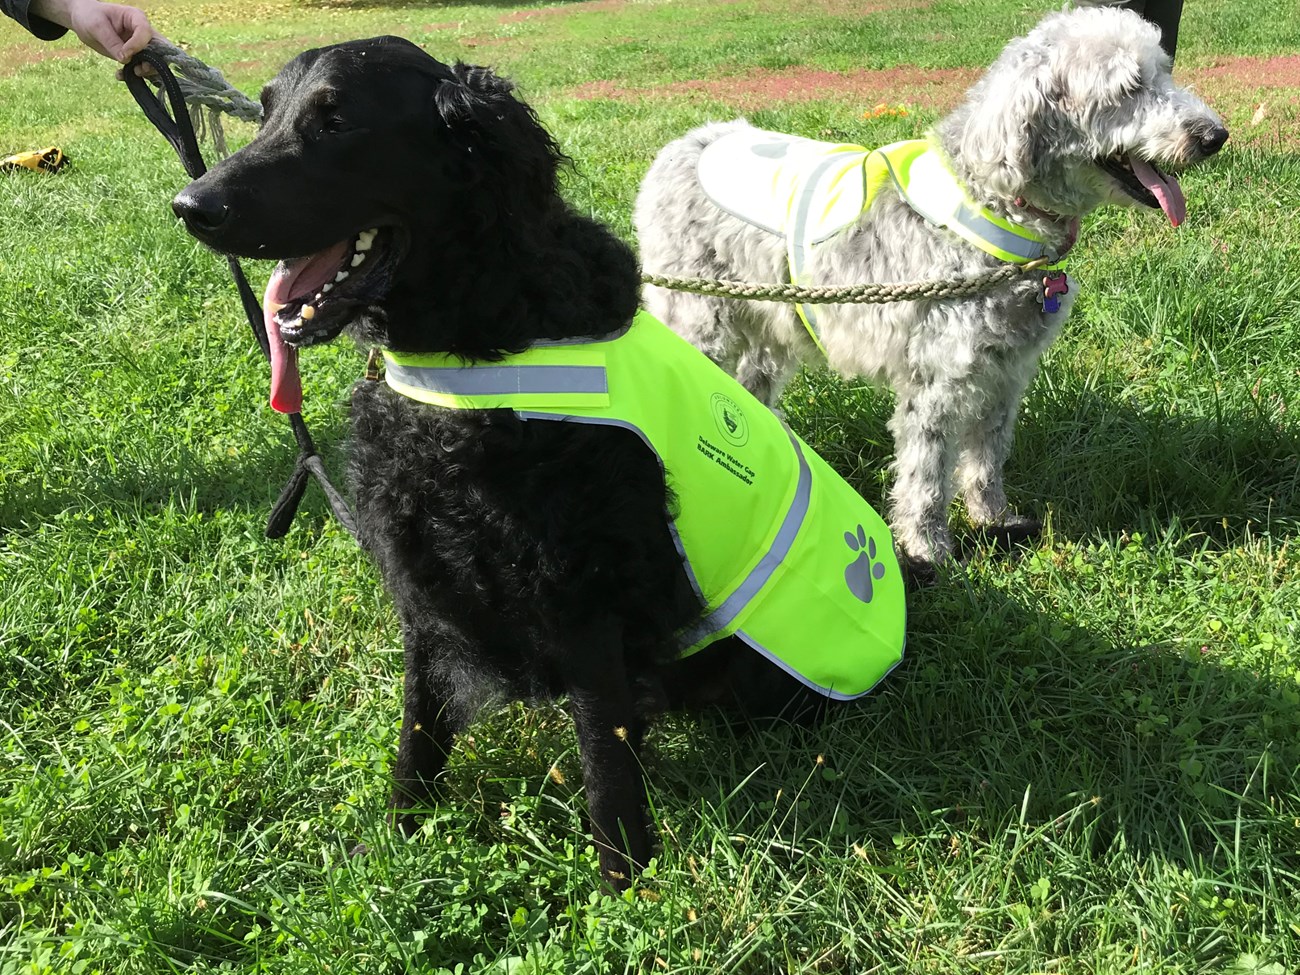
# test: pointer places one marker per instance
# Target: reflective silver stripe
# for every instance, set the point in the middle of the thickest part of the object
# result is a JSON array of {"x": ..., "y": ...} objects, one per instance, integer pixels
[
  {"x": 795, "y": 236},
  {"x": 814, "y": 326},
  {"x": 500, "y": 380},
  {"x": 830, "y": 692},
  {"x": 974, "y": 221},
  {"x": 999, "y": 237},
  {"x": 618, "y": 333},
  {"x": 722, "y": 617}
]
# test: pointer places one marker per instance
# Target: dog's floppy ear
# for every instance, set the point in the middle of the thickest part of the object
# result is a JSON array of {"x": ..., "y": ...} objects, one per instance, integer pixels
[
  {"x": 483, "y": 116},
  {"x": 999, "y": 122}
]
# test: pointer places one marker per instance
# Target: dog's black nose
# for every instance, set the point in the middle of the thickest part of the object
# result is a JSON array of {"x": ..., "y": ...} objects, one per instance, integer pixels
[
  {"x": 201, "y": 213},
  {"x": 1213, "y": 140}
]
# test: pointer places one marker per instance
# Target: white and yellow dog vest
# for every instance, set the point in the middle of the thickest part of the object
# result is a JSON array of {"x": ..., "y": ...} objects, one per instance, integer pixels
[{"x": 808, "y": 191}]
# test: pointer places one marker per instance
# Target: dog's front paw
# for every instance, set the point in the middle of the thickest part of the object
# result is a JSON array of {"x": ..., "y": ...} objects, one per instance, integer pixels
[
  {"x": 406, "y": 805},
  {"x": 918, "y": 573},
  {"x": 923, "y": 547},
  {"x": 1010, "y": 531}
]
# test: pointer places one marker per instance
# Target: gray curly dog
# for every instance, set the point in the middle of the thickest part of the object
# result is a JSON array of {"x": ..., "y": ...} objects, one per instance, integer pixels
[{"x": 1081, "y": 112}]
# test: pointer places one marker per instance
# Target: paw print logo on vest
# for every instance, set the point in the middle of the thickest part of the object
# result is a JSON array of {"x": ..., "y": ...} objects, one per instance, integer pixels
[
  {"x": 771, "y": 150},
  {"x": 864, "y": 569}
]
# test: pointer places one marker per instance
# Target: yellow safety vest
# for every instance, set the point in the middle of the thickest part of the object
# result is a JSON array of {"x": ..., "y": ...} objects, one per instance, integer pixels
[
  {"x": 783, "y": 553},
  {"x": 808, "y": 191}
]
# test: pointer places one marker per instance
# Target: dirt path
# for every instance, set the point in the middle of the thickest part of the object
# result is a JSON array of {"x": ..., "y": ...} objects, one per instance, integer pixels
[
  {"x": 1270, "y": 79},
  {"x": 15, "y": 57},
  {"x": 759, "y": 88}
]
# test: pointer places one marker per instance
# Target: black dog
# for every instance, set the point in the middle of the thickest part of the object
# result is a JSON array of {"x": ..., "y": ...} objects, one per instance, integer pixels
[{"x": 532, "y": 559}]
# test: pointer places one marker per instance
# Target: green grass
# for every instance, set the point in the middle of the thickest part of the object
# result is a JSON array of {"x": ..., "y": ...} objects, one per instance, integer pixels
[{"x": 1088, "y": 762}]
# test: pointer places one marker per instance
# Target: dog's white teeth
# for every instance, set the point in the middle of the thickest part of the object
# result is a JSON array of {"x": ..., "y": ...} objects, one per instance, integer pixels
[
  {"x": 328, "y": 288},
  {"x": 366, "y": 239},
  {"x": 358, "y": 259},
  {"x": 340, "y": 277},
  {"x": 308, "y": 313}
]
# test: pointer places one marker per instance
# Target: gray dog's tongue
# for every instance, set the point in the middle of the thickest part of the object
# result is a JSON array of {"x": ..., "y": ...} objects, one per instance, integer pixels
[{"x": 1164, "y": 188}]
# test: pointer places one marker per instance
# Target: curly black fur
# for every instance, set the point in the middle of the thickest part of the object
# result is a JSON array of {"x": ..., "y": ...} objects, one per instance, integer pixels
[{"x": 526, "y": 559}]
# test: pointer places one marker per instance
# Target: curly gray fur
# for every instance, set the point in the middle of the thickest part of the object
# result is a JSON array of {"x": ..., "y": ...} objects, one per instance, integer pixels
[{"x": 1082, "y": 86}]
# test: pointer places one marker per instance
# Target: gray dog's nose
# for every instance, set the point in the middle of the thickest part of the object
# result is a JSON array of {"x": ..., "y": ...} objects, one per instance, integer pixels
[
  {"x": 202, "y": 214},
  {"x": 1213, "y": 140}
]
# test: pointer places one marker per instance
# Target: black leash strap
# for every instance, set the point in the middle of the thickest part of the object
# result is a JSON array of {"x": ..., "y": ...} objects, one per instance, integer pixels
[{"x": 177, "y": 129}]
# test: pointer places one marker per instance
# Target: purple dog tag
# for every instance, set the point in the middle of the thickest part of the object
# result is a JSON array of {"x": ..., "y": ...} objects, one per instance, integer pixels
[{"x": 1054, "y": 285}]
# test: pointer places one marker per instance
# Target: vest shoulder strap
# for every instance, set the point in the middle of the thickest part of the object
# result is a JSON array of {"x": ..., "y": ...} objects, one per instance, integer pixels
[{"x": 930, "y": 187}]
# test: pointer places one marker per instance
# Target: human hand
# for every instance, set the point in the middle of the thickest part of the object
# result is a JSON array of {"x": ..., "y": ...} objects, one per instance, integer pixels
[{"x": 114, "y": 30}]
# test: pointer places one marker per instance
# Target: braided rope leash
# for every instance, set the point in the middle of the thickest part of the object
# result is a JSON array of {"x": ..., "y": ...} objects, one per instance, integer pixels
[
  {"x": 857, "y": 294},
  {"x": 208, "y": 95}
]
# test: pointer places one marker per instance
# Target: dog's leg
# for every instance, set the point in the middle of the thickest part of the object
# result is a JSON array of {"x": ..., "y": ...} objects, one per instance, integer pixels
[
  {"x": 609, "y": 733},
  {"x": 430, "y": 721},
  {"x": 925, "y": 431},
  {"x": 704, "y": 321},
  {"x": 986, "y": 445},
  {"x": 764, "y": 371},
  {"x": 730, "y": 334}
]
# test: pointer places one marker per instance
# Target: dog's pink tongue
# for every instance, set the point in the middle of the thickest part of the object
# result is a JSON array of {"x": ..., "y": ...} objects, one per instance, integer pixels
[
  {"x": 290, "y": 280},
  {"x": 286, "y": 384},
  {"x": 1164, "y": 188}
]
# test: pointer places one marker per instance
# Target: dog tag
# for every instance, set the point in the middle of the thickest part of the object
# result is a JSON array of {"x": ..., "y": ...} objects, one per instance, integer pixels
[{"x": 1055, "y": 284}]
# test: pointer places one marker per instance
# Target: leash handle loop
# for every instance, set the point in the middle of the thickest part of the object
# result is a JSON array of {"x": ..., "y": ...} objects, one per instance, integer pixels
[
  {"x": 178, "y": 130},
  {"x": 176, "y": 127}
]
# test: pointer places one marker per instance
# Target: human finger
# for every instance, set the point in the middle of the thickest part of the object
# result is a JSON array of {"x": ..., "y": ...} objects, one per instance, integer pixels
[{"x": 136, "y": 31}]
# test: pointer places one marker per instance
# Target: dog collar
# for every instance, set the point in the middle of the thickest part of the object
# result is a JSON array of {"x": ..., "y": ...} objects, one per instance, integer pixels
[{"x": 1071, "y": 224}]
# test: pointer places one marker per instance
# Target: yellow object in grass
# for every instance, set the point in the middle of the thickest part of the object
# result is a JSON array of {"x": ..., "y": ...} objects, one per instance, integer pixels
[
  {"x": 883, "y": 109},
  {"x": 48, "y": 160}
]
